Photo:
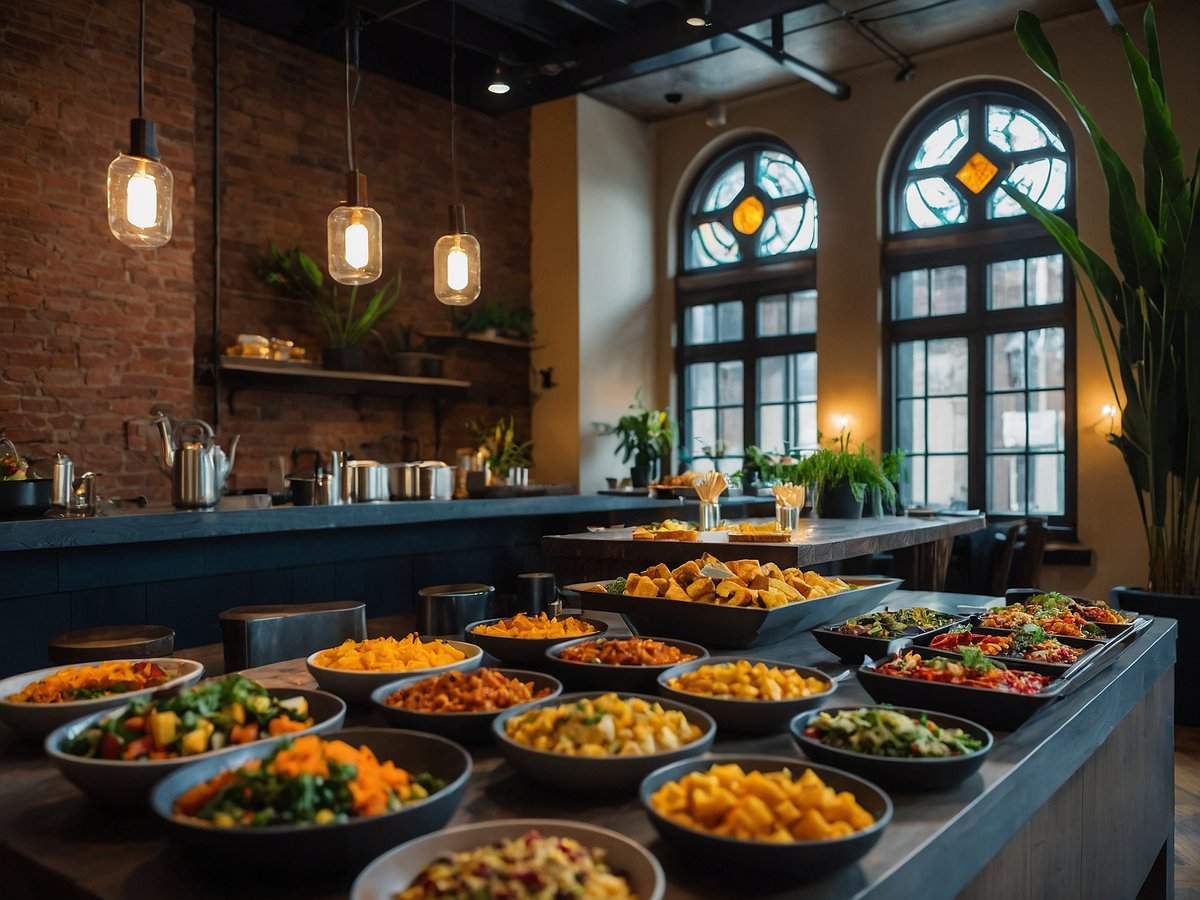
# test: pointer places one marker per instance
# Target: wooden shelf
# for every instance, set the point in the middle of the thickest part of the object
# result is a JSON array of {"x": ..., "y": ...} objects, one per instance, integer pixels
[
  {"x": 241, "y": 374},
  {"x": 515, "y": 343}
]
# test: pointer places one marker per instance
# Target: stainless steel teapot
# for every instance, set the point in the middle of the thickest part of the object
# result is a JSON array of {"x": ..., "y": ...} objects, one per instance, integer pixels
[{"x": 197, "y": 466}]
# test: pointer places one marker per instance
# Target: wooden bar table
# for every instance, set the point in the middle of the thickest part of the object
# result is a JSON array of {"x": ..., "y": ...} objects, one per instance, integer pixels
[
  {"x": 921, "y": 547},
  {"x": 1077, "y": 803}
]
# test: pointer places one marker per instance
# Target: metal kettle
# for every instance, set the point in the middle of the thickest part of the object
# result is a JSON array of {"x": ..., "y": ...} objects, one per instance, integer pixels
[{"x": 197, "y": 466}]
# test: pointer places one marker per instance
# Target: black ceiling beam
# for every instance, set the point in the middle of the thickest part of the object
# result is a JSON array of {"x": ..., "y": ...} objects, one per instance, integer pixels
[
  {"x": 605, "y": 13},
  {"x": 796, "y": 66},
  {"x": 471, "y": 32},
  {"x": 526, "y": 17}
]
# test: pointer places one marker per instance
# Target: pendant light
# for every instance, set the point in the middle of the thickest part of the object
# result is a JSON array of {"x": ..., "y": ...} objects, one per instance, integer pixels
[
  {"x": 354, "y": 231},
  {"x": 140, "y": 188},
  {"x": 455, "y": 255}
]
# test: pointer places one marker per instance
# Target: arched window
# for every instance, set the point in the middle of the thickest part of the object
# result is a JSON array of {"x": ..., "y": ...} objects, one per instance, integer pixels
[
  {"x": 979, "y": 307},
  {"x": 746, "y": 315}
]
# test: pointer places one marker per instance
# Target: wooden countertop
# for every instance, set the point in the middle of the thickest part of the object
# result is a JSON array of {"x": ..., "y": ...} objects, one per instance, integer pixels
[{"x": 53, "y": 843}]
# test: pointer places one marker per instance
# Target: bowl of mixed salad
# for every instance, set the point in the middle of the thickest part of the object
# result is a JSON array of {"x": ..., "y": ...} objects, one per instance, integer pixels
[
  {"x": 317, "y": 803},
  {"x": 515, "y": 857},
  {"x": 35, "y": 703},
  {"x": 116, "y": 756},
  {"x": 898, "y": 747}
]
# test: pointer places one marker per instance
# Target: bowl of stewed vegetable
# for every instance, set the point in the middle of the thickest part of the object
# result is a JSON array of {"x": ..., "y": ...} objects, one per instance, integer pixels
[
  {"x": 318, "y": 803},
  {"x": 116, "y": 756},
  {"x": 898, "y": 747},
  {"x": 590, "y": 742}
]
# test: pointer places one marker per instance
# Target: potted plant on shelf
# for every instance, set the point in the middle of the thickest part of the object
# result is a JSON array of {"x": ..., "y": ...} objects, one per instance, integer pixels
[
  {"x": 348, "y": 322},
  {"x": 496, "y": 318},
  {"x": 508, "y": 460},
  {"x": 645, "y": 436},
  {"x": 1146, "y": 318},
  {"x": 841, "y": 479},
  {"x": 407, "y": 348}
]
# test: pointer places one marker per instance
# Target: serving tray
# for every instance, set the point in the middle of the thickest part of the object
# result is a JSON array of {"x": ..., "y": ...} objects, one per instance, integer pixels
[
  {"x": 732, "y": 626},
  {"x": 853, "y": 648},
  {"x": 1092, "y": 649}
]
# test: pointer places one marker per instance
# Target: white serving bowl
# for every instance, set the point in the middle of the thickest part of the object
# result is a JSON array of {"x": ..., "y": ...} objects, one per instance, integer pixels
[
  {"x": 36, "y": 720},
  {"x": 357, "y": 686},
  {"x": 395, "y": 870}
]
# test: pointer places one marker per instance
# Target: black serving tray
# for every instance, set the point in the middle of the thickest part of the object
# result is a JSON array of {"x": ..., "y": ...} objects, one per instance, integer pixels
[
  {"x": 731, "y": 626},
  {"x": 992, "y": 709},
  {"x": 1117, "y": 630},
  {"x": 1092, "y": 648},
  {"x": 852, "y": 648}
]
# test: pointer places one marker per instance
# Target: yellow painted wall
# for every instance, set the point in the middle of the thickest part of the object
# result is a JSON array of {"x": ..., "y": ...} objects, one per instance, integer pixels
[{"x": 845, "y": 145}]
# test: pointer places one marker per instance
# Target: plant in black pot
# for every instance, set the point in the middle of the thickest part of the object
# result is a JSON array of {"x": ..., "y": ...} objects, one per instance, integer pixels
[
  {"x": 410, "y": 354},
  {"x": 1146, "y": 318},
  {"x": 842, "y": 478},
  {"x": 349, "y": 320},
  {"x": 506, "y": 457},
  {"x": 496, "y": 319},
  {"x": 644, "y": 436}
]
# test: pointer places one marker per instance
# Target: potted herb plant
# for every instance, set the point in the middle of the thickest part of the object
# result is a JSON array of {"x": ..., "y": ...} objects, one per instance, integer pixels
[
  {"x": 645, "y": 436},
  {"x": 1146, "y": 318},
  {"x": 496, "y": 318},
  {"x": 505, "y": 456},
  {"x": 842, "y": 477},
  {"x": 348, "y": 321}
]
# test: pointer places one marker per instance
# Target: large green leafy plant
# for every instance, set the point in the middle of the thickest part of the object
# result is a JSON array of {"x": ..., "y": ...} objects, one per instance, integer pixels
[
  {"x": 644, "y": 435},
  {"x": 830, "y": 467},
  {"x": 347, "y": 322},
  {"x": 1145, "y": 315}
]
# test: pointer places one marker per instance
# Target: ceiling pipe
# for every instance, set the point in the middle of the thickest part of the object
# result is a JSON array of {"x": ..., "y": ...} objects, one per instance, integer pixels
[{"x": 798, "y": 67}]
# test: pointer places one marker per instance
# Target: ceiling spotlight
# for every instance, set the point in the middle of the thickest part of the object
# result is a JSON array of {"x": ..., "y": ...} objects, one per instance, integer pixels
[
  {"x": 907, "y": 71},
  {"x": 499, "y": 83},
  {"x": 700, "y": 14},
  {"x": 714, "y": 114}
]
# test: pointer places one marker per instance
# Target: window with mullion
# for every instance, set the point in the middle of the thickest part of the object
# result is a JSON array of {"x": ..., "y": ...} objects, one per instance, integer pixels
[
  {"x": 745, "y": 334},
  {"x": 979, "y": 313}
]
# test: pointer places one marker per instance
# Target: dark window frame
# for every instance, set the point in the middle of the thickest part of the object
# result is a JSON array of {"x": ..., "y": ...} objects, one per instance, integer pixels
[
  {"x": 976, "y": 244},
  {"x": 748, "y": 280}
]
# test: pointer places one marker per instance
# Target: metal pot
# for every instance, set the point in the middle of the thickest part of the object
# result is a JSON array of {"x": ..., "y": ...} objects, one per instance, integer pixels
[
  {"x": 437, "y": 480},
  {"x": 302, "y": 489},
  {"x": 404, "y": 481},
  {"x": 25, "y": 498},
  {"x": 370, "y": 480}
]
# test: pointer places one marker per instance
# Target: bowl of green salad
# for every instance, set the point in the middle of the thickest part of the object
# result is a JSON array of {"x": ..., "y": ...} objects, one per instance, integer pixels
[
  {"x": 901, "y": 748},
  {"x": 883, "y": 632}
]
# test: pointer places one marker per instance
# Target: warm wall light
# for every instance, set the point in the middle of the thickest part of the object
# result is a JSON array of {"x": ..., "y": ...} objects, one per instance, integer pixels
[
  {"x": 456, "y": 276},
  {"x": 841, "y": 421},
  {"x": 354, "y": 231},
  {"x": 140, "y": 188}
]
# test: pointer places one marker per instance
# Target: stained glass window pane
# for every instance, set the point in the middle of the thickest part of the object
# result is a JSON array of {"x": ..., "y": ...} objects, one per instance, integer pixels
[
  {"x": 713, "y": 245},
  {"x": 1043, "y": 180},
  {"x": 1014, "y": 130},
  {"x": 725, "y": 188},
  {"x": 943, "y": 143},
  {"x": 789, "y": 229},
  {"x": 781, "y": 176},
  {"x": 931, "y": 203}
]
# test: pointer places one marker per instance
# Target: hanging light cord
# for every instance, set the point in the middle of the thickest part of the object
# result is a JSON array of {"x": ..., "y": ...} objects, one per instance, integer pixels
[
  {"x": 352, "y": 25},
  {"x": 453, "y": 110},
  {"x": 142, "y": 60}
]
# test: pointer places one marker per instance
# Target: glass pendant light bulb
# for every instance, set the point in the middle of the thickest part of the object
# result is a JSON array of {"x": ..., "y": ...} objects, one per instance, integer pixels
[
  {"x": 355, "y": 237},
  {"x": 456, "y": 279},
  {"x": 140, "y": 190}
]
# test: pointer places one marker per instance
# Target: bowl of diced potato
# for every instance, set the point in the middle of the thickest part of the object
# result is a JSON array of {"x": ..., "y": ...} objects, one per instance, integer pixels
[
  {"x": 524, "y": 639},
  {"x": 772, "y": 816},
  {"x": 354, "y": 669},
  {"x": 592, "y": 742},
  {"x": 748, "y": 695}
]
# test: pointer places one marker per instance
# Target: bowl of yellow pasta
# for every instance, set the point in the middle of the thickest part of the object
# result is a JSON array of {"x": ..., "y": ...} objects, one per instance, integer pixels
[
  {"x": 593, "y": 742},
  {"x": 524, "y": 639},
  {"x": 747, "y": 695},
  {"x": 772, "y": 816},
  {"x": 353, "y": 669}
]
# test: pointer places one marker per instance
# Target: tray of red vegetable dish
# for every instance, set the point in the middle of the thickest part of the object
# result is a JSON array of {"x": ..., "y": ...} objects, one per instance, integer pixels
[
  {"x": 1060, "y": 615},
  {"x": 972, "y": 685},
  {"x": 1040, "y": 651}
]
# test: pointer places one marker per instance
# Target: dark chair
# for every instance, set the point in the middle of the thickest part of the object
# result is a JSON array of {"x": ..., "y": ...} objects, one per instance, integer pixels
[
  {"x": 260, "y": 635},
  {"x": 989, "y": 557},
  {"x": 1026, "y": 569}
]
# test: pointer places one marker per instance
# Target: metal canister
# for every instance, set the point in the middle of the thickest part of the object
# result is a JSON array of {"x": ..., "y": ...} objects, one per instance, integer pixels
[{"x": 62, "y": 492}]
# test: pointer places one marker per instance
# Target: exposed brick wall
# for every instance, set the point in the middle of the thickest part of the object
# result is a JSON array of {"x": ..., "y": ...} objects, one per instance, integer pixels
[{"x": 92, "y": 334}]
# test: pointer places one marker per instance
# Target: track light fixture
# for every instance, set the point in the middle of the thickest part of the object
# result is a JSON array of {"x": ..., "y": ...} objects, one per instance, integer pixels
[
  {"x": 499, "y": 84},
  {"x": 699, "y": 14}
]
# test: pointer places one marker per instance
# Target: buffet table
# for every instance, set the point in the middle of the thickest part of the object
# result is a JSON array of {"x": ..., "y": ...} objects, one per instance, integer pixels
[
  {"x": 921, "y": 547},
  {"x": 1080, "y": 797}
]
